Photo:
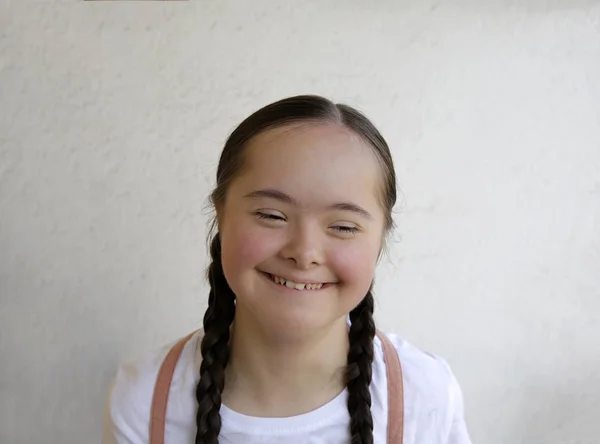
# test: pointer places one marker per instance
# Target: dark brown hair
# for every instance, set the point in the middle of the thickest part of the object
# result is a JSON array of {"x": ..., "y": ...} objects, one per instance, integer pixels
[{"x": 221, "y": 300}]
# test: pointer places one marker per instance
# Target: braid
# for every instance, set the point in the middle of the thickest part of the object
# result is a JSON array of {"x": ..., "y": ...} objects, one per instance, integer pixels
[
  {"x": 359, "y": 371},
  {"x": 215, "y": 349}
]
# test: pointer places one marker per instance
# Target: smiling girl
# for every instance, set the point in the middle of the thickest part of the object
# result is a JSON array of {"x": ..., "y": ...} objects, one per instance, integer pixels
[{"x": 289, "y": 352}]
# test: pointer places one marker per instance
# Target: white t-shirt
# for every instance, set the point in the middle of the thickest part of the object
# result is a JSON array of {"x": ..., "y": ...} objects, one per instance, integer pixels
[{"x": 433, "y": 405}]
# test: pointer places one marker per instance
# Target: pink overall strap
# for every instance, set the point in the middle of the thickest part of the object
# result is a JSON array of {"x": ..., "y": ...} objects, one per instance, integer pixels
[
  {"x": 158, "y": 411},
  {"x": 395, "y": 430}
]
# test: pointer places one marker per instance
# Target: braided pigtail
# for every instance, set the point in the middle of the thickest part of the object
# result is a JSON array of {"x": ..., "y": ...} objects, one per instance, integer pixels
[
  {"x": 359, "y": 371},
  {"x": 215, "y": 349}
]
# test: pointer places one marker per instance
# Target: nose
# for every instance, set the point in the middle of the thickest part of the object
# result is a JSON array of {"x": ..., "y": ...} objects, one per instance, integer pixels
[{"x": 304, "y": 248}]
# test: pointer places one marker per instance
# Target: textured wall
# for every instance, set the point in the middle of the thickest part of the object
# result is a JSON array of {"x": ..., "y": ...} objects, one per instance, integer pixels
[{"x": 112, "y": 117}]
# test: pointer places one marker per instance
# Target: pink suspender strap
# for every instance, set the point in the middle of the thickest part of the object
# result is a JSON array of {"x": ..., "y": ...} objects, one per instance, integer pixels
[
  {"x": 160, "y": 400},
  {"x": 393, "y": 368}
]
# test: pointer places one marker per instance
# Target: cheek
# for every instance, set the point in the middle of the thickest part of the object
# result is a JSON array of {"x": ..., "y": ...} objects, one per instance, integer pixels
[
  {"x": 244, "y": 247},
  {"x": 355, "y": 265}
]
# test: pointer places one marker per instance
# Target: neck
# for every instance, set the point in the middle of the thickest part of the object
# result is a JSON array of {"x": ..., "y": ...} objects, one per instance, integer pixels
[{"x": 274, "y": 375}]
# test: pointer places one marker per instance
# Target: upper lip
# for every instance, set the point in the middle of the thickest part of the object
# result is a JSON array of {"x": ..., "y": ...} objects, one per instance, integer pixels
[{"x": 298, "y": 280}]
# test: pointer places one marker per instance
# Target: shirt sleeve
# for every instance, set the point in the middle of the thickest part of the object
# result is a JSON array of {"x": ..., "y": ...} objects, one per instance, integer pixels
[
  {"x": 458, "y": 428},
  {"x": 122, "y": 422},
  {"x": 111, "y": 432}
]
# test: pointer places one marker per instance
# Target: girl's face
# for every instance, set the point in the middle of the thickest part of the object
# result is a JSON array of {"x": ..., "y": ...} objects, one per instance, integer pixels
[{"x": 302, "y": 227}]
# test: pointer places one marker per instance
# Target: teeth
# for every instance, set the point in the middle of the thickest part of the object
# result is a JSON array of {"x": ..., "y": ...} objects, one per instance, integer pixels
[{"x": 296, "y": 286}]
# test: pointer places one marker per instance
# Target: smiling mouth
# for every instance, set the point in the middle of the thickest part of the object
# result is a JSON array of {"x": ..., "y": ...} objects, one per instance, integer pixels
[{"x": 300, "y": 286}]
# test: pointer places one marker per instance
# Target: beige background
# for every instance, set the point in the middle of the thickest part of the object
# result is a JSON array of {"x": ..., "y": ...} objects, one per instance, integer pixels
[{"x": 112, "y": 118}]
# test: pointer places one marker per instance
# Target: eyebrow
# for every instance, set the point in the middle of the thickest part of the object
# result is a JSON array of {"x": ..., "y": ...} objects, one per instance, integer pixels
[{"x": 285, "y": 198}]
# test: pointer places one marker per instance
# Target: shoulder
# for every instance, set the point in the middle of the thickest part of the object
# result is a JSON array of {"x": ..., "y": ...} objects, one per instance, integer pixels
[
  {"x": 129, "y": 401},
  {"x": 429, "y": 383},
  {"x": 420, "y": 364}
]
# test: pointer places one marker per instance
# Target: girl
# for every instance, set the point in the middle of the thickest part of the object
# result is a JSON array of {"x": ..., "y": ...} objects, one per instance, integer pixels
[{"x": 289, "y": 352}]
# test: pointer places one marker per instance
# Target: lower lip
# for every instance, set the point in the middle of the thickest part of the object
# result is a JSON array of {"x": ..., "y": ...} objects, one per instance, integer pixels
[{"x": 286, "y": 288}]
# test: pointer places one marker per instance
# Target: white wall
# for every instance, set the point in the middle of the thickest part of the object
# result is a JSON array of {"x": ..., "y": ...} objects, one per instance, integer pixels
[{"x": 112, "y": 118}]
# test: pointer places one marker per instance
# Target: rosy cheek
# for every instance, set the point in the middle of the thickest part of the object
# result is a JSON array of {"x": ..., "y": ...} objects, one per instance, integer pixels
[
  {"x": 355, "y": 263},
  {"x": 250, "y": 250},
  {"x": 248, "y": 245}
]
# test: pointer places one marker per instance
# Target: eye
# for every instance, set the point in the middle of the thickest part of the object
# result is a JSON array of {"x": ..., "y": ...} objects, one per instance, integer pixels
[
  {"x": 345, "y": 229},
  {"x": 269, "y": 216}
]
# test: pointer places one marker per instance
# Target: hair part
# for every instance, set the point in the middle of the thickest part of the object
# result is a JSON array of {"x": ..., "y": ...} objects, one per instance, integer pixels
[{"x": 221, "y": 302}]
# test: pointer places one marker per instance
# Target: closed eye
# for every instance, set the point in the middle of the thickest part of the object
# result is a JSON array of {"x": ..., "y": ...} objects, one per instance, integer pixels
[
  {"x": 268, "y": 216},
  {"x": 345, "y": 229}
]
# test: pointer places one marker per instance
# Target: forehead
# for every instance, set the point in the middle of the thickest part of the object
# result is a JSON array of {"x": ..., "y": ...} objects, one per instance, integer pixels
[{"x": 314, "y": 164}]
